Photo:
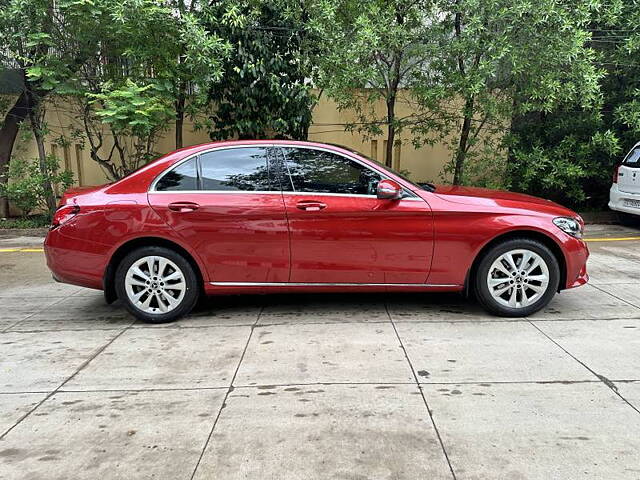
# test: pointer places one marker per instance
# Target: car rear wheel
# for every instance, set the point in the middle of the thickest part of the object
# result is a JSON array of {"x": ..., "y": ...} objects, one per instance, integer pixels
[
  {"x": 628, "y": 220},
  {"x": 517, "y": 278},
  {"x": 156, "y": 284}
]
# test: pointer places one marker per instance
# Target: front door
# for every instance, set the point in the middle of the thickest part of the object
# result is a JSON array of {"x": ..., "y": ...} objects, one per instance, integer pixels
[
  {"x": 227, "y": 205},
  {"x": 341, "y": 232}
]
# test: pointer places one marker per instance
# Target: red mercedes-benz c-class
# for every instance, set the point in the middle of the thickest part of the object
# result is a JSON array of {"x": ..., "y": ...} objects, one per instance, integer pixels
[{"x": 286, "y": 216}]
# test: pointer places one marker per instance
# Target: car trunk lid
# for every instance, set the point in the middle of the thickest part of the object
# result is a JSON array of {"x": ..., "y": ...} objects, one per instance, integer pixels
[{"x": 70, "y": 196}]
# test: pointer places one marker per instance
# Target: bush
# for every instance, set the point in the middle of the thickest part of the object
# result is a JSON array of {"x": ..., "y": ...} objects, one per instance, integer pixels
[
  {"x": 33, "y": 221},
  {"x": 25, "y": 188},
  {"x": 565, "y": 158}
]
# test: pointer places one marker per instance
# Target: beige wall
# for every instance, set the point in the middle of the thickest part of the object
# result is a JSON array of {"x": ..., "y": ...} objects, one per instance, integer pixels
[{"x": 424, "y": 164}]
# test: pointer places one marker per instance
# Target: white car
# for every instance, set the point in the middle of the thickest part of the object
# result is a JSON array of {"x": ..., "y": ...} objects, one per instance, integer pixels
[{"x": 624, "y": 196}]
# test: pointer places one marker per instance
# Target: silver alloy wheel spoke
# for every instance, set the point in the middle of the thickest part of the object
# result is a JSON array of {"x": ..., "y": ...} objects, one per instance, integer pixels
[
  {"x": 518, "y": 278},
  {"x": 155, "y": 285}
]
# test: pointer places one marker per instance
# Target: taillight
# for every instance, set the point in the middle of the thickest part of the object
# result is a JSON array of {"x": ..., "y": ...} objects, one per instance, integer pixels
[
  {"x": 615, "y": 173},
  {"x": 64, "y": 214}
]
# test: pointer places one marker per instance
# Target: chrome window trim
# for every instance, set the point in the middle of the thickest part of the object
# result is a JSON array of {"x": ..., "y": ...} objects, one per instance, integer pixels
[
  {"x": 359, "y": 195},
  {"x": 216, "y": 192},
  {"x": 297, "y": 284},
  {"x": 273, "y": 192},
  {"x": 152, "y": 188}
]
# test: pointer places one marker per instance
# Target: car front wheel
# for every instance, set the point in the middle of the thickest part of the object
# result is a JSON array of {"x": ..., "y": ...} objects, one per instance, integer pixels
[
  {"x": 156, "y": 284},
  {"x": 517, "y": 278}
]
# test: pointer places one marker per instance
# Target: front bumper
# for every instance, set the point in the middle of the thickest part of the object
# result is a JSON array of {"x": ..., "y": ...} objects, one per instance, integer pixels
[
  {"x": 617, "y": 198},
  {"x": 576, "y": 253}
]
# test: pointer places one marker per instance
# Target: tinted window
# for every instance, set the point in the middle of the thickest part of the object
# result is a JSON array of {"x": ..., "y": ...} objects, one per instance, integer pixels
[
  {"x": 326, "y": 172},
  {"x": 182, "y": 177},
  {"x": 244, "y": 169},
  {"x": 633, "y": 159}
]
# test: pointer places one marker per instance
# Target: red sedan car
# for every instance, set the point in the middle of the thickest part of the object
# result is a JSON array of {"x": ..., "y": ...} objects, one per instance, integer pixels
[{"x": 284, "y": 216}]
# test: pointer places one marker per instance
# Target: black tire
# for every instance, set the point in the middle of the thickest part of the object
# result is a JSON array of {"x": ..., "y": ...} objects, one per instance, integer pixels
[
  {"x": 629, "y": 220},
  {"x": 189, "y": 299},
  {"x": 481, "y": 287}
]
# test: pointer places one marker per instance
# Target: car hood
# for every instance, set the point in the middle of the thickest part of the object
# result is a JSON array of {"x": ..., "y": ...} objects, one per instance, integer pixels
[
  {"x": 486, "y": 196},
  {"x": 458, "y": 191}
]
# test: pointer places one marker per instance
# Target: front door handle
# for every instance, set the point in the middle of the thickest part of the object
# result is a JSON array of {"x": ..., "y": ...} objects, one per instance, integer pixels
[
  {"x": 183, "y": 206},
  {"x": 310, "y": 205}
]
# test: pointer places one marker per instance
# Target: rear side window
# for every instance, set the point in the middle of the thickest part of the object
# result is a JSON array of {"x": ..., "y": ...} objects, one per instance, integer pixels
[
  {"x": 183, "y": 177},
  {"x": 320, "y": 171},
  {"x": 236, "y": 169},
  {"x": 633, "y": 159}
]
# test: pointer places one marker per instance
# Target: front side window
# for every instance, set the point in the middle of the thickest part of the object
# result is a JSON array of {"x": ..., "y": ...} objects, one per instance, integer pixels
[
  {"x": 320, "y": 171},
  {"x": 236, "y": 169},
  {"x": 181, "y": 178}
]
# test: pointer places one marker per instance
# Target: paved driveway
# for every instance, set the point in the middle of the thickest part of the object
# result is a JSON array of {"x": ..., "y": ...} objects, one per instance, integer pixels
[{"x": 313, "y": 387}]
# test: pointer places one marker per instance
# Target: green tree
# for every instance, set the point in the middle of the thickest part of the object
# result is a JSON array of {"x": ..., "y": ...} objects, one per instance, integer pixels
[
  {"x": 580, "y": 145},
  {"x": 121, "y": 96},
  {"x": 377, "y": 52},
  {"x": 43, "y": 42},
  {"x": 265, "y": 89},
  {"x": 25, "y": 189},
  {"x": 493, "y": 58}
]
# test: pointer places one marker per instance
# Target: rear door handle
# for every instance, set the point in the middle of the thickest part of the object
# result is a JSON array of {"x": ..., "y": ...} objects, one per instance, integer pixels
[
  {"x": 183, "y": 206},
  {"x": 310, "y": 205}
]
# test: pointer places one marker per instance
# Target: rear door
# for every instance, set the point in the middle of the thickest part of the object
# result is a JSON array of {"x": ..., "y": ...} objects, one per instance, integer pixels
[
  {"x": 227, "y": 205},
  {"x": 629, "y": 172},
  {"x": 342, "y": 233}
]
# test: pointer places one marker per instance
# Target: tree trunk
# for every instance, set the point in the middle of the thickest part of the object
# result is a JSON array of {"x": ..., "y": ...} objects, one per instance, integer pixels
[
  {"x": 392, "y": 94},
  {"x": 463, "y": 145},
  {"x": 50, "y": 197},
  {"x": 391, "y": 131},
  {"x": 8, "y": 134},
  {"x": 180, "y": 101}
]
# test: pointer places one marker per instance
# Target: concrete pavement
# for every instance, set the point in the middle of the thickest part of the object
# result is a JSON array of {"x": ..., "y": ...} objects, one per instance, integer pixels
[{"x": 321, "y": 386}]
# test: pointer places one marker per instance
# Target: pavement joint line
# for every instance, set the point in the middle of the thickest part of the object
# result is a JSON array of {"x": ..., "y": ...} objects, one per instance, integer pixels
[
  {"x": 422, "y": 394},
  {"x": 140, "y": 390},
  {"x": 609, "y": 383},
  {"x": 615, "y": 296},
  {"x": 230, "y": 389},
  {"x": 177, "y": 326},
  {"x": 142, "y": 326},
  {"x": 97, "y": 329},
  {"x": 53, "y": 392},
  {"x": 314, "y": 384},
  {"x": 9, "y": 328}
]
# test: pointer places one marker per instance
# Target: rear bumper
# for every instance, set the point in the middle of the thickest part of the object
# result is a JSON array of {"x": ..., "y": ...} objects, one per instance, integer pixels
[
  {"x": 617, "y": 198},
  {"x": 73, "y": 263}
]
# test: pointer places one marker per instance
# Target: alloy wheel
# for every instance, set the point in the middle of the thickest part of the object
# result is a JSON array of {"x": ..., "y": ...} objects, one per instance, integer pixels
[
  {"x": 518, "y": 278},
  {"x": 155, "y": 284}
]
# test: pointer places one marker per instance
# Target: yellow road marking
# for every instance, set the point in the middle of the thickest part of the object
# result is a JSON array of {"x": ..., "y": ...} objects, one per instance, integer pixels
[
  {"x": 9, "y": 250},
  {"x": 611, "y": 239}
]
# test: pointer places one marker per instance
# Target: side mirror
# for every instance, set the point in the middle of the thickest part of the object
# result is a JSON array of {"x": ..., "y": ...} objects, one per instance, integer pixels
[{"x": 389, "y": 190}]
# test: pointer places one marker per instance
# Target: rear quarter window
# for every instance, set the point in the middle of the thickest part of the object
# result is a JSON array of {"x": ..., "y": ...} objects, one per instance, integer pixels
[
  {"x": 633, "y": 159},
  {"x": 181, "y": 178}
]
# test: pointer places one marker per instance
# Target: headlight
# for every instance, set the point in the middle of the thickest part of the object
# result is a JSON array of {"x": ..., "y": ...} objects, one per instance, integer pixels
[{"x": 569, "y": 225}]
